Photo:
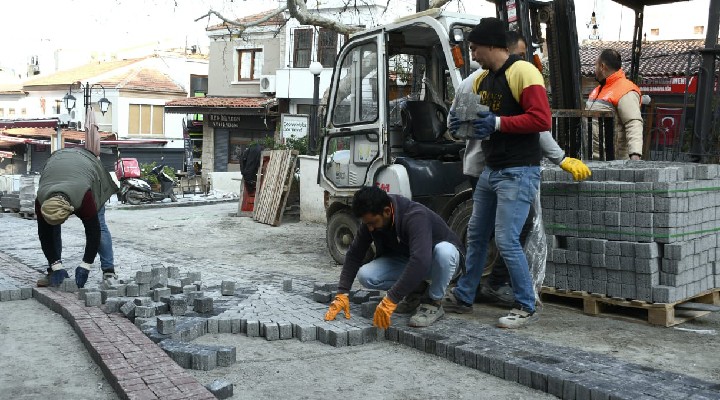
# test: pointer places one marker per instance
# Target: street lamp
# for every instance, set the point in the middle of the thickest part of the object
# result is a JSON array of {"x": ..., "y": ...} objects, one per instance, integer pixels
[
  {"x": 315, "y": 69},
  {"x": 87, "y": 88}
]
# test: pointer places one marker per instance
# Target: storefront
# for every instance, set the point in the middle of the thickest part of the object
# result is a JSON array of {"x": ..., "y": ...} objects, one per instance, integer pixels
[{"x": 229, "y": 126}]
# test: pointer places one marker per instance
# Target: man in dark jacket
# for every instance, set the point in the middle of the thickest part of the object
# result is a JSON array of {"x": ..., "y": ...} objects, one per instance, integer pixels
[
  {"x": 412, "y": 243},
  {"x": 73, "y": 182}
]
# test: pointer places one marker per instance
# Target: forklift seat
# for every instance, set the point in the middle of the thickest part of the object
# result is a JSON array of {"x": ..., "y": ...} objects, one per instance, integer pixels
[{"x": 424, "y": 124}]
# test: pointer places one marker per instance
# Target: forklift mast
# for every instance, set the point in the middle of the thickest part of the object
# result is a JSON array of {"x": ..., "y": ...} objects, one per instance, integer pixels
[{"x": 526, "y": 17}]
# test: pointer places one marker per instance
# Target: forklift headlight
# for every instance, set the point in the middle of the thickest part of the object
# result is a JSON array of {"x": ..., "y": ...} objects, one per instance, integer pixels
[{"x": 458, "y": 35}]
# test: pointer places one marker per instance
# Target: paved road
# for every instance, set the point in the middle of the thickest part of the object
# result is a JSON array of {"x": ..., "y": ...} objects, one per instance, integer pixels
[{"x": 207, "y": 239}]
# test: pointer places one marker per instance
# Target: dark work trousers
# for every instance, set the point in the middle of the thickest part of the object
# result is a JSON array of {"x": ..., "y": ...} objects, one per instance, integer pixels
[{"x": 500, "y": 276}]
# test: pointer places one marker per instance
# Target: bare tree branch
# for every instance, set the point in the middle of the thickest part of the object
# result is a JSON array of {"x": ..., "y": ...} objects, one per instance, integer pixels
[
  {"x": 241, "y": 27},
  {"x": 298, "y": 10},
  {"x": 438, "y": 3}
]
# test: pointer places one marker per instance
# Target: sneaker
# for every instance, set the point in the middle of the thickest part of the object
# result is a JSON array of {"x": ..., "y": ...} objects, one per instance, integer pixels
[
  {"x": 517, "y": 318},
  {"x": 454, "y": 305},
  {"x": 43, "y": 282},
  {"x": 426, "y": 315},
  {"x": 408, "y": 304},
  {"x": 81, "y": 277},
  {"x": 503, "y": 295}
]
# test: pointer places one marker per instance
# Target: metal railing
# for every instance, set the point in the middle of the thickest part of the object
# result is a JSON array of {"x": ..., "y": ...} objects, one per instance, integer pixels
[{"x": 574, "y": 131}]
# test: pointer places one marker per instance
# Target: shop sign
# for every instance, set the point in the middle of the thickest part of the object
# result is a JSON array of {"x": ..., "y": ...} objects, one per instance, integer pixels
[
  {"x": 297, "y": 125},
  {"x": 669, "y": 85},
  {"x": 225, "y": 121}
]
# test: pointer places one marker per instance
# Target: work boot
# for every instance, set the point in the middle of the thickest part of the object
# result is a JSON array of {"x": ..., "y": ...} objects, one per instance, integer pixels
[
  {"x": 109, "y": 278},
  {"x": 454, "y": 305},
  {"x": 503, "y": 294},
  {"x": 55, "y": 277},
  {"x": 426, "y": 315},
  {"x": 517, "y": 318},
  {"x": 410, "y": 302}
]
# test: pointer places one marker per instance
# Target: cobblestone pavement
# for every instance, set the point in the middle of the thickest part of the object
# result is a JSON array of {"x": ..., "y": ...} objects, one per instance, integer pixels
[{"x": 262, "y": 258}]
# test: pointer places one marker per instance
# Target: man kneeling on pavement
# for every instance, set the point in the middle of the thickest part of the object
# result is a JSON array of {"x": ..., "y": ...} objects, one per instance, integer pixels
[{"x": 413, "y": 245}]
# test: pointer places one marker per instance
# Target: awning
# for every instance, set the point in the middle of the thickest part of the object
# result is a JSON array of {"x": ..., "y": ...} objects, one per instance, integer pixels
[
  {"x": 51, "y": 123},
  {"x": 223, "y": 106},
  {"x": 6, "y": 154}
]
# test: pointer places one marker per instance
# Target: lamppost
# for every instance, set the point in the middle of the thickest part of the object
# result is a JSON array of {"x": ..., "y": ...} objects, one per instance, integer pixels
[
  {"x": 87, "y": 88},
  {"x": 315, "y": 69}
]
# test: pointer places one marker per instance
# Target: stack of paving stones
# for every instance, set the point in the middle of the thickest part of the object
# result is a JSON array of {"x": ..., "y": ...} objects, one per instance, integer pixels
[
  {"x": 11, "y": 289},
  {"x": 635, "y": 230}
]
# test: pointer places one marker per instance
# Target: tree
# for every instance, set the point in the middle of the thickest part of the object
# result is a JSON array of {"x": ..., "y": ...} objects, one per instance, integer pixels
[{"x": 298, "y": 9}]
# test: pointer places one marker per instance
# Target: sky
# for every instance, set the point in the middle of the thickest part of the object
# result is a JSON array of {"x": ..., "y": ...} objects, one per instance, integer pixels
[{"x": 107, "y": 25}]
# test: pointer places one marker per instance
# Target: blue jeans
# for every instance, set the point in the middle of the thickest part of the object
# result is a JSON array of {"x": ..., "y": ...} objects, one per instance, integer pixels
[
  {"x": 501, "y": 203},
  {"x": 382, "y": 272},
  {"x": 105, "y": 251}
]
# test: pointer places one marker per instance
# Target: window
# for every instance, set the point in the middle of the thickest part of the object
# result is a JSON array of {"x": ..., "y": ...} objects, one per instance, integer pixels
[
  {"x": 699, "y": 30},
  {"x": 302, "y": 51},
  {"x": 655, "y": 32},
  {"x": 250, "y": 63},
  {"x": 23, "y": 111},
  {"x": 327, "y": 47},
  {"x": 11, "y": 112},
  {"x": 2, "y": 112},
  {"x": 58, "y": 106},
  {"x": 146, "y": 119},
  {"x": 356, "y": 96}
]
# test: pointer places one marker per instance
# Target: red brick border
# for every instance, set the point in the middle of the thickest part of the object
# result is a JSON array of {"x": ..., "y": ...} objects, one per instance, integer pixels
[{"x": 135, "y": 366}]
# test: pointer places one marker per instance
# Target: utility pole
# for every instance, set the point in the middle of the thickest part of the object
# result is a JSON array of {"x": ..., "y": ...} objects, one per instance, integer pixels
[{"x": 706, "y": 82}]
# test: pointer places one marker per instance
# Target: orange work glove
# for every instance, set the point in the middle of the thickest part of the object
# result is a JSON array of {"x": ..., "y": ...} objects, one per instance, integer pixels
[
  {"x": 341, "y": 303},
  {"x": 384, "y": 310},
  {"x": 577, "y": 168}
]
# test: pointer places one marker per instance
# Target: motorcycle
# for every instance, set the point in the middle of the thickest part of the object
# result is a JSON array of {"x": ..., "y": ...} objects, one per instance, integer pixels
[{"x": 136, "y": 191}]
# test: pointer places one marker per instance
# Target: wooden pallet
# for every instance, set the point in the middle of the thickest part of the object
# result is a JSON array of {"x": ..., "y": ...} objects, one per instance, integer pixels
[
  {"x": 663, "y": 314},
  {"x": 275, "y": 178},
  {"x": 28, "y": 215}
]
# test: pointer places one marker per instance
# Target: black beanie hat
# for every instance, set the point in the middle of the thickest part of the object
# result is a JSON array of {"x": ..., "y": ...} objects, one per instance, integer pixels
[{"x": 489, "y": 32}]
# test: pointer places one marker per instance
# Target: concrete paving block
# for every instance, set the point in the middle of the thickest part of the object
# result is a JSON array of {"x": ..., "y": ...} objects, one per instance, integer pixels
[
  {"x": 224, "y": 324},
  {"x": 524, "y": 375},
  {"x": 160, "y": 307},
  {"x": 173, "y": 272},
  {"x": 189, "y": 288},
  {"x": 221, "y": 389},
  {"x": 142, "y": 301},
  {"x": 203, "y": 305},
  {"x": 166, "y": 324},
  {"x": 371, "y": 334},
  {"x": 192, "y": 295},
  {"x": 287, "y": 285},
  {"x": 93, "y": 299},
  {"x": 235, "y": 325},
  {"x": 143, "y": 277},
  {"x": 226, "y": 355},
  {"x": 106, "y": 293},
  {"x": 144, "y": 312},
  {"x": 270, "y": 330},
  {"x": 663, "y": 294},
  {"x": 322, "y": 296},
  {"x": 143, "y": 289},
  {"x": 204, "y": 360},
  {"x": 392, "y": 334},
  {"x": 142, "y": 322},
  {"x": 128, "y": 309},
  {"x": 286, "y": 330},
  {"x": 367, "y": 309},
  {"x": 324, "y": 286},
  {"x": 178, "y": 306},
  {"x": 159, "y": 293},
  {"x": 132, "y": 290},
  {"x": 26, "y": 293},
  {"x": 305, "y": 332},
  {"x": 195, "y": 276},
  {"x": 337, "y": 337},
  {"x": 213, "y": 325},
  {"x": 253, "y": 328},
  {"x": 82, "y": 292},
  {"x": 227, "y": 288}
]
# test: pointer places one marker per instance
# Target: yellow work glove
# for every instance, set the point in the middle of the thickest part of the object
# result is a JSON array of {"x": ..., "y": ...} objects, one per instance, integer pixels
[
  {"x": 341, "y": 303},
  {"x": 577, "y": 168},
  {"x": 384, "y": 310}
]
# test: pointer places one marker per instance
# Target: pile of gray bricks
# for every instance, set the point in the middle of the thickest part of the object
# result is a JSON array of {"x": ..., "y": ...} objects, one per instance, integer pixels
[
  {"x": 11, "y": 290},
  {"x": 635, "y": 230}
]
